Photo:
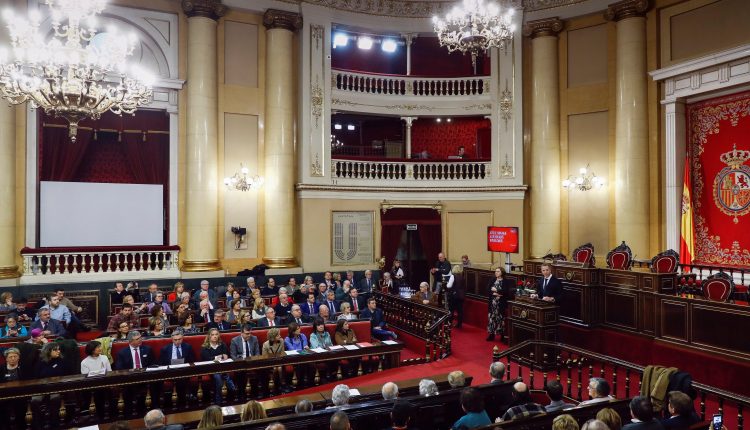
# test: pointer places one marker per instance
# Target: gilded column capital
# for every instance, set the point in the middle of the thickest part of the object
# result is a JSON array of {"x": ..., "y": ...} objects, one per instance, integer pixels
[
  {"x": 543, "y": 27},
  {"x": 275, "y": 18},
  {"x": 213, "y": 9},
  {"x": 627, "y": 9}
]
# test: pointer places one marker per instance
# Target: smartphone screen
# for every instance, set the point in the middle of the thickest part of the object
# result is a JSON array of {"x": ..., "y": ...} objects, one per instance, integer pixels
[{"x": 717, "y": 422}]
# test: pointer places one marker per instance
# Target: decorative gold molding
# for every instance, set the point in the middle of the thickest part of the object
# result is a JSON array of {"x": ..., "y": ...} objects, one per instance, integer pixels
[
  {"x": 316, "y": 169},
  {"x": 280, "y": 263},
  {"x": 9, "y": 272},
  {"x": 506, "y": 104},
  {"x": 543, "y": 27},
  {"x": 275, "y": 18},
  {"x": 340, "y": 188},
  {"x": 212, "y": 9},
  {"x": 201, "y": 265},
  {"x": 627, "y": 9},
  {"x": 316, "y": 100},
  {"x": 385, "y": 206},
  {"x": 317, "y": 32}
]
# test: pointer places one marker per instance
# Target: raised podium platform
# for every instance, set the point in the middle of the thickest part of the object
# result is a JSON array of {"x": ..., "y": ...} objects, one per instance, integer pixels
[{"x": 533, "y": 319}]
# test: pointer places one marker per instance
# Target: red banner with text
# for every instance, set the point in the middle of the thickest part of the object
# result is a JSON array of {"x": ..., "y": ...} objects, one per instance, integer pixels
[{"x": 719, "y": 156}]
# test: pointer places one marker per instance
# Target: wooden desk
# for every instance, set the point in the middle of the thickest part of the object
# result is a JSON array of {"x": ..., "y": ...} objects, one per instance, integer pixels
[{"x": 532, "y": 319}]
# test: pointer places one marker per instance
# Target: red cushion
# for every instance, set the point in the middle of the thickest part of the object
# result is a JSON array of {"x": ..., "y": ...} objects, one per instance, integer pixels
[
  {"x": 665, "y": 264},
  {"x": 717, "y": 289},
  {"x": 739, "y": 288},
  {"x": 619, "y": 260},
  {"x": 583, "y": 255}
]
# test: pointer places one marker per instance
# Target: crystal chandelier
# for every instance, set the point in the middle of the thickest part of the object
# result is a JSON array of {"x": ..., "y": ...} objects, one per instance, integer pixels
[
  {"x": 585, "y": 181},
  {"x": 77, "y": 74},
  {"x": 242, "y": 181},
  {"x": 475, "y": 27}
]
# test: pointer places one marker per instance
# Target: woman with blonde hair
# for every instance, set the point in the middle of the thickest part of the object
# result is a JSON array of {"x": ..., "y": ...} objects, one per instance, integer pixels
[
  {"x": 253, "y": 410},
  {"x": 346, "y": 312},
  {"x": 273, "y": 347},
  {"x": 214, "y": 349},
  {"x": 212, "y": 417},
  {"x": 259, "y": 308},
  {"x": 564, "y": 422},
  {"x": 610, "y": 417}
]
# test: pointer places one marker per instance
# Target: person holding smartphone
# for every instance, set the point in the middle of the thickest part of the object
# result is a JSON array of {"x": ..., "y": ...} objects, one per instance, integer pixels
[{"x": 12, "y": 328}]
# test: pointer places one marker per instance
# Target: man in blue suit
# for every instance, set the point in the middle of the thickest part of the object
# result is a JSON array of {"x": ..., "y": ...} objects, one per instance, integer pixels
[
  {"x": 137, "y": 356},
  {"x": 49, "y": 325},
  {"x": 310, "y": 307},
  {"x": 174, "y": 353},
  {"x": 548, "y": 287}
]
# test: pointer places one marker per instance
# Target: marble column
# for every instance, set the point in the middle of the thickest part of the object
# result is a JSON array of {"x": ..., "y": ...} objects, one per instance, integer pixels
[
  {"x": 8, "y": 251},
  {"x": 544, "y": 177},
  {"x": 408, "y": 39},
  {"x": 631, "y": 184},
  {"x": 407, "y": 138},
  {"x": 201, "y": 251},
  {"x": 280, "y": 138}
]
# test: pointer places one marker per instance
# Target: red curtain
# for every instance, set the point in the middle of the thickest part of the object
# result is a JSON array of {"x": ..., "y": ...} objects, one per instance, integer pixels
[
  {"x": 442, "y": 139},
  {"x": 60, "y": 159},
  {"x": 148, "y": 159},
  {"x": 393, "y": 223},
  {"x": 719, "y": 154}
]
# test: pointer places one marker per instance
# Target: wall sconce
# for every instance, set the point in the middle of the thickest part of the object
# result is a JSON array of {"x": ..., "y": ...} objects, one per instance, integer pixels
[
  {"x": 242, "y": 181},
  {"x": 239, "y": 236},
  {"x": 585, "y": 181}
]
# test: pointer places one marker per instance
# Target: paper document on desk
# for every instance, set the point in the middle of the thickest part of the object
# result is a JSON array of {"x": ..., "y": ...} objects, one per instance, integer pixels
[
  {"x": 180, "y": 366},
  {"x": 228, "y": 360},
  {"x": 198, "y": 363},
  {"x": 336, "y": 347},
  {"x": 318, "y": 349},
  {"x": 94, "y": 427},
  {"x": 390, "y": 342},
  {"x": 364, "y": 344},
  {"x": 292, "y": 352},
  {"x": 354, "y": 392},
  {"x": 351, "y": 347},
  {"x": 152, "y": 369}
]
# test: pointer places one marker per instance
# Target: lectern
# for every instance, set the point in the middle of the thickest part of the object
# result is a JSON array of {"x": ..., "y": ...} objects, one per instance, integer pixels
[{"x": 533, "y": 319}]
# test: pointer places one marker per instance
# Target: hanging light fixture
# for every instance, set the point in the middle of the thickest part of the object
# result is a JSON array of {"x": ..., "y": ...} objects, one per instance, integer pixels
[
  {"x": 585, "y": 181},
  {"x": 79, "y": 73},
  {"x": 242, "y": 181},
  {"x": 475, "y": 27}
]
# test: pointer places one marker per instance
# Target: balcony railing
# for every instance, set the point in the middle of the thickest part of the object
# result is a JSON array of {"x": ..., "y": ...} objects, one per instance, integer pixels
[
  {"x": 366, "y": 83},
  {"x": 411, "y": 171},
  {"x": 58, "y": 264}
]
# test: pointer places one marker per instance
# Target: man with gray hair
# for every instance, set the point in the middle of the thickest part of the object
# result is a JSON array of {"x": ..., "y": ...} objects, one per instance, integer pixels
[
  {"x": 594, "y": 424},
  {"x": 211, "y": 294},
  {"x": 303, "y": 406},
  {"x": 427, "y": 388},
  {"x": 389, "y": 391},
  {"x": 598, "y": 391},
  {"x": 155, "y": 419},
  {"x": 340, "y": 395},
  {"x": 497, "y": 371},
  {"x": 340, "y": 421},
  {"x": 456, "y": 379}
]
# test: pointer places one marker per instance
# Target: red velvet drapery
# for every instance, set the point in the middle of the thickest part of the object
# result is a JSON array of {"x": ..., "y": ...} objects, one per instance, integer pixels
[
  {"x": 60, "y": 160},
  {"x": 393, "y": 223}
]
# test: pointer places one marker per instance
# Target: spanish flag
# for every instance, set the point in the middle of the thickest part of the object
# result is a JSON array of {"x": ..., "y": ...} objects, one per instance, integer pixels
[{"x": 687, "y": 231}]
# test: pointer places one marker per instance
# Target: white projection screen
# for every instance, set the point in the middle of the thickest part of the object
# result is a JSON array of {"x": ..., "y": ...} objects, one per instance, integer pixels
[{"x": 97, "y": 214}]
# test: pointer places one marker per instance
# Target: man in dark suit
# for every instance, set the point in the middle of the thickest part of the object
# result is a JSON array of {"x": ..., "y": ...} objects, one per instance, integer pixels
[
  {"x": 174, "y": 352},
  {"x": 548, "y": 287},
  {"x": 206, "y": 315},
  {"x": 283, "y": 307},
  {"x": 241, "y": 347},
  {"x": 218, "y": 322},
  {"x": 330, "y": 301},
  {"x": 297, "y": 316},
  {"x": 211, "y": 294},
  {"x": 48, "y": 325},
  {"x": 150, "y": 295},
  {"x": 366, "y": 284},
  {"x": 357, "y": 302},
  {"x": 377, "y": 321},
  {"x": 681, "y": 411},
  {"x": 137, "y": 356},
  {"x": 310, "y": 307},
  {"x": 270, "y": 289},
  {"x": 155, "y": 420},
  {"x": 642, "y": 412},
  {"x": 271, "y": 320}
]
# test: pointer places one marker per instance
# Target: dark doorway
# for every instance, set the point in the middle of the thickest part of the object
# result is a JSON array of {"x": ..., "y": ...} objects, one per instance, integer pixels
[{"x": 416, "y": 246}]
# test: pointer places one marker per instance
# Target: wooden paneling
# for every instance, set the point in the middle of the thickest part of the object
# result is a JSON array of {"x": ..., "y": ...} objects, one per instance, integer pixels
[
  {"x": 720, "y": 328},
  {"x": 673, "y": 320},
  {"x": 621, "y": 309}
]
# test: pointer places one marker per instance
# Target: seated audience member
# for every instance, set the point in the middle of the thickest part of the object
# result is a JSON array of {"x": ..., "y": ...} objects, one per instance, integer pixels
[
  {"x": 214, "y": 349},
  {"x": 377, "y": 321},
  {"x": 340, "y": 395},
  {"x": 296, "y": 315},
  {"x": 554, "y": 391},
  {"x": 97, "y": 364},
  {"x": 270, "y": 320},
  {"x": 366, "y": 284},
  {"x": 297, "y": 341},
  {"x": 37, "y": 337},
  {"x": 473, "y": 405},
  {"x": 357, "y": 302},
  {"x": 156, "y": 327},
  {"x": 182, "y": 304},
  {"x": 57, "y": 310},
  {"x": 387, "y": 286},
  {"x": 401, "y": 414},
  {"x": 251, "y": 411},
  {"x": 11, "y": 371},
  {"x": 218, "y": 322},
  {"x": 250, "y": 282},
  {"x": 427, "y": 388},
  {"x": 207, "y": 292},
  {"x": 344, "y": 335},
  {"x": 136, "y": 356},
  {"x": 176, "y": 294},
  {"x": 283, "y": 307},
  {"x": 50, "y": 365},
  {"x": 594, "y": 424},
  {"x": 564, "y": 422},
  {"x": 456, "y": 379},
  {"x": 12, "y": 328},
  {"x": 6, "y": 302},
  {"x": 229, "y": 292},
  {"x": 303, "y": 406},
  {"x": 158, "y": 312},
  {"x": 497, "y": 372},
  {"x": 246, "y": 317},
  {"x": 321, "y": 293},
  {"x": 319, "y": 338},
  {"x": 328, "y": 280},
  {"x": 122, "y": 331},
  {"x": 205, "y": 313},
  {"x": 389, "y": 391},
  {"x": 185, "y": 322},
  {"x": 325, "y": 313},
  {"x": 342, "y": 292},
  {"x": 681, "y": 412},
  {"x": 610, "y": 417},
  {"x": 350, "y": 277},
  {"x": 241, "y": 347},
  {"x": 340, "y": 421},
  {"x": 642, "y": 413},
  {"x": 235, "y": 310},
  {"x": 270, "y": 289},
  {"x": 160, "y": 303},
  {"x": 49, "y": 326},
  {"x": 237, "y": 299},
  {"x": 300, "y": 294},
  {"x": 177, "y": 352},
  {"x": 23, "y": 312},
  {"x": 524, "y": 406},
  {"x": 598, "y": 391},
  {"x": 125, "y": 315},
  {"x": 273, "y": 347},
  {"x": 137, "y": 309},
  {"x": 155, "y": 420},
  {"x": 330, "y": 301},
  {"x": 116, "y": 295},
  {"x": 346, "y": 312},
  {"x": 150, "y": 295},
  {"x": 212, "y": 417},
  {"x": 259, "y": 308},
  {"x": 424, "y": 295}
]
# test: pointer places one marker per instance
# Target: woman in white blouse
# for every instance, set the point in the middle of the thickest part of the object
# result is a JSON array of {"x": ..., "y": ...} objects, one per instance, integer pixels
[
  {"x": 96, "y": 363},
  {"x": 346, "y": 312}
]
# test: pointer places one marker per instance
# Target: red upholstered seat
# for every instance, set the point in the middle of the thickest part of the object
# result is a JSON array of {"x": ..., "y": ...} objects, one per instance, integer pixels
[
  {"x": 620, "y": 258},
  {"x": 718, "y": 287},
  {"x": 585, "y": 254},
  {"x": 665, "y": 262}
]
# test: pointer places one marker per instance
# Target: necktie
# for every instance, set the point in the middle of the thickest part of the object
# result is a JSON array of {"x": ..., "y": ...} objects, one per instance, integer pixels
[
  {"x": 207, "y": 318},
  {"x": 310, "y": 307},
  {"x": 544, "y": 287},
  {"x": 270, "y": 323},
  {"x": 137, "y": 358},
  {"x": 44, "y": 326},
  {"x": 247, "y": 348},
  {"x": 356, "y": 306},
  {"x": 179, "y": 352},
  {"x": 299, "y": 321}
]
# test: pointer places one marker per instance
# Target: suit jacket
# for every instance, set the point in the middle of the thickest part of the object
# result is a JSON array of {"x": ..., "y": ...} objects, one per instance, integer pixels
[
  {"x": 680, "y": 422},
  {"x": 147, "y": 297},
  {"x": 237, "y": 347},
  {"x": 211, "y": 297},
  {"x": 201, "y": 319},
  {"x": 305, "y": 319},
  {"x": 221, "y": 326},
  {"x": 306, "y": 308},
  {"x": 647, "y": 425},
  {"x": 124, "y": 359},
  {"x": 553, "y": 289},
  {"x": 376, "y": 317},
  {"x": 333, "y": 306},
  {"x": 365, "y": 287},
  {"x": 360, "y": 302},
  {"x": 56, "y": 327},
  {"x": 165, "y": 356},
  {"x": 263, "y": 322}
]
